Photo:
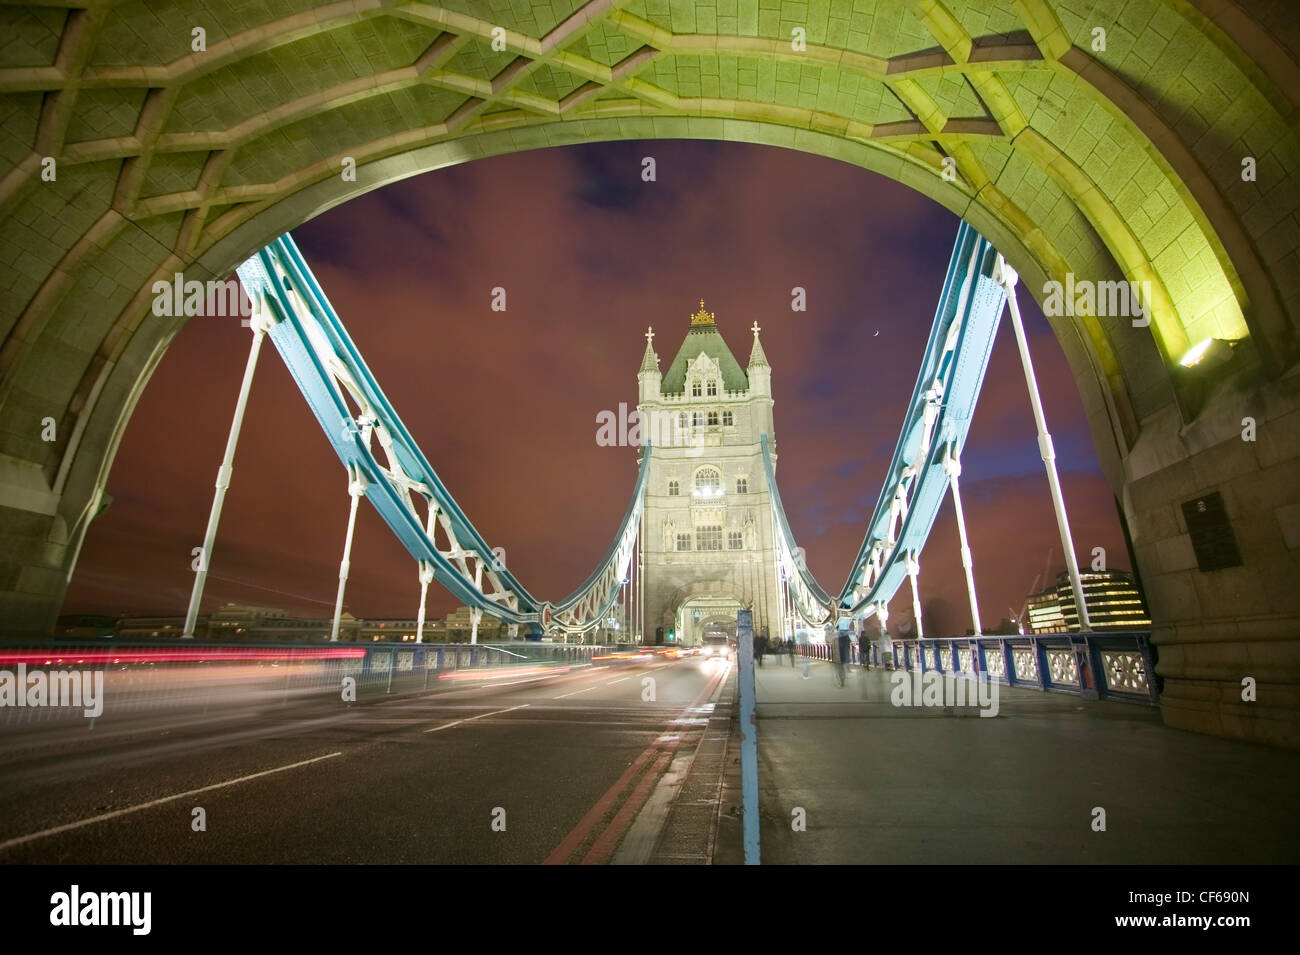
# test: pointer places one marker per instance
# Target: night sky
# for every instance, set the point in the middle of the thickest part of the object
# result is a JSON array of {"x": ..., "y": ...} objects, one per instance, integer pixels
[{"x": 504, "y": 404}]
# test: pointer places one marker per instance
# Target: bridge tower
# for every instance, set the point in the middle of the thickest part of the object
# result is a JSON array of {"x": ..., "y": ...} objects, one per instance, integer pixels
[{"x": 706, "y": 531}]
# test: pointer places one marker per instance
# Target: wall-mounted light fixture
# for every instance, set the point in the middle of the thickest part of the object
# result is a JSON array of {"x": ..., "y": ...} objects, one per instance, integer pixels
[{"x": 1207, "y": 354}]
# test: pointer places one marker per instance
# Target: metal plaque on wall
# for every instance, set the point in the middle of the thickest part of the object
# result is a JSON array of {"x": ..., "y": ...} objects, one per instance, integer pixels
[{"x": 1212, "y": 538}]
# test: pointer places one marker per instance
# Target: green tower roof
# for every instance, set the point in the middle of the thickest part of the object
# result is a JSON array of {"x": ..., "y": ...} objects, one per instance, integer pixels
[{"x": 704, "y": 337}]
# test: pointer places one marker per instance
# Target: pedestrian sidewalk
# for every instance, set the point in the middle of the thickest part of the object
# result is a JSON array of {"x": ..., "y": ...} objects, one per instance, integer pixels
[{"x": 879, "y": 783}]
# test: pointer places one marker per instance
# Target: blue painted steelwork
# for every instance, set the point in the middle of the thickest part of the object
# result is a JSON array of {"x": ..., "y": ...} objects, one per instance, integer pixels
[
  {"x": 936, "y": 423},
  {"x": 748, "y": 736},
  {"x": 355, "y": 415},
  {"x": 938, "y": 417}
]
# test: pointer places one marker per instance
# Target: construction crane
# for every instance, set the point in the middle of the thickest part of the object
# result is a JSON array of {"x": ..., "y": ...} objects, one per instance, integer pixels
[{"x": 1019, "y": 618}]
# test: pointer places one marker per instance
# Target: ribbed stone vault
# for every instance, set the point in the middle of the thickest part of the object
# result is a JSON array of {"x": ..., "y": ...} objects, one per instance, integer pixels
[{"x": 1122, "y": 162}]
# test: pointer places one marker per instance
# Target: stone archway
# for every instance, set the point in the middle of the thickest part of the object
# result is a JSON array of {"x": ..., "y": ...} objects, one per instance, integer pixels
[
  {"x": 723, "y": 624},
  {"x": 704, "y": 592},
  {"x": 136, "y": 146}
]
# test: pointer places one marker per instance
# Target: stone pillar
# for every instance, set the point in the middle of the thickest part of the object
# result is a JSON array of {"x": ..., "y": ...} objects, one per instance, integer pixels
[
  {"x": 33, "y": 551},
  {"x": 1215, "y": 628}
]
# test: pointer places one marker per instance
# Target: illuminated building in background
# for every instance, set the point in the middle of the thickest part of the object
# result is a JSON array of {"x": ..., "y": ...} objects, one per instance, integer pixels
[
  {"x": 1114, "y": 603},
  {"x": 1044, "y": 610}
]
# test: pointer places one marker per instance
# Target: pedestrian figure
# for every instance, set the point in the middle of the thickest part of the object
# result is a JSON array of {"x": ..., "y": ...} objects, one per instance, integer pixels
[
  {"x": 886, "y": 649},
  {"x": 844, "y": 648}
]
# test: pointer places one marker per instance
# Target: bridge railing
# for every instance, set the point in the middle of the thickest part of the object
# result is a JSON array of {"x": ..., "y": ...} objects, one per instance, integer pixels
[
  {"x": 139, "y": 678},
  {"x": 1114, "y": 666}
]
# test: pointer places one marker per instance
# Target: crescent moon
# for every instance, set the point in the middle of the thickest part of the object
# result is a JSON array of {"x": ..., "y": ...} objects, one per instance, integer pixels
[{"x": 877, "y": 333}]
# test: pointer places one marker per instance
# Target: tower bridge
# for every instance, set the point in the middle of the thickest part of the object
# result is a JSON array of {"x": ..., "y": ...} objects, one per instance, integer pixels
[
  {"x": 704, "y": 547},
  {"x": 1087, "y": 148},
  {"x": 705, "y": 531}
]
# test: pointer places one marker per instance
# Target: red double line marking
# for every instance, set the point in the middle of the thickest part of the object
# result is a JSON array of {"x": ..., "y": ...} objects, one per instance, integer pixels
[{"x": 662, "y": 753}]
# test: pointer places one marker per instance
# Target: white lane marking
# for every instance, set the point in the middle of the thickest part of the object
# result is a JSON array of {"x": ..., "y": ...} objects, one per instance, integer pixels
[
  {"x": 158, "y": 802},
  {"x": 445, "y": 726},
  {"x": 574, "y": 693},
  {"x": 612, "y": 682},
  {"x": 471, "y": 719}
]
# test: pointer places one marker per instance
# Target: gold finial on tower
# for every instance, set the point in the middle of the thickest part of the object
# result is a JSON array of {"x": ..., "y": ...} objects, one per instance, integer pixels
[{"x": 702, "y": 317}]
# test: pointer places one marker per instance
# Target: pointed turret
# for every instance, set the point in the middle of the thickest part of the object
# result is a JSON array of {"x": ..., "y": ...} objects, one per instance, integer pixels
[
  {"x": 650, "y": 360},
  {"x": 649, "y": 376},
  {"x": 757, "y": 359},
  {"x": 759, "y": 371}
]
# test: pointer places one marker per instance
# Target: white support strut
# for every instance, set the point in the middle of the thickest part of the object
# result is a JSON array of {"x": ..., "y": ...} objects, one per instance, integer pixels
[
  {"x": 261, "y": 324},
  {"x": 1006, "y": 276},
  {"x": 476, "y": 615},
  {"x": 426, "y": 578},
  {"x": 952, "y": 468},
  {"x": 356, "y": 491},
  {"x": 426, "y": 574},
  {"x": 913, "y": 568}
]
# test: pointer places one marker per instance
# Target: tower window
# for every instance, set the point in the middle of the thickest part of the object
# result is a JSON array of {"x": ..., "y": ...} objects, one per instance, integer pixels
[
  {"x": 708, "y": 483},
  {"x": 713, "y": 419},
  {"x": 735, "y": 540},
  {"x": 713, "y": 389},
  {"x": 695, "y": 389},
  {"x": 682, "y": 420},
  {"x": 683, "y": 541},
  {"x": 728, "y": 418},
  {"x": 709, "y": 538},
  {"x": 674, "y": 489},
  {"x": 742, "y": 485},
  {"x": 697, "y": 418}
]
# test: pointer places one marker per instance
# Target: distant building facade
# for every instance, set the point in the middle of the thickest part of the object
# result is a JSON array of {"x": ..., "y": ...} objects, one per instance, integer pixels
[
  {"x": 1112, "y": 596},
  {"x": 1113, "y": 600},
  {"x": 76, "y": 625},
  {"x": 233, "y": 623},
  {"x": 1044, "y": 609}
]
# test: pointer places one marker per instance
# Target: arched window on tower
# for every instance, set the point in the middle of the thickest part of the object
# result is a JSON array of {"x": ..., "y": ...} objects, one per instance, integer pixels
[
  {"x": 695, "y": 389},
  {"x": 708, "y": 483},
  {"x": 674, "y": 489},
  {"x": 742, "y": 485},
  {"x": 713, "y": 388}
]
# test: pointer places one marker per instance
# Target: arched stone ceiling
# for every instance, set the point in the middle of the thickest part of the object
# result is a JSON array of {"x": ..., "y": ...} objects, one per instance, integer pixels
[{"x": 1105, "y": 163}]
